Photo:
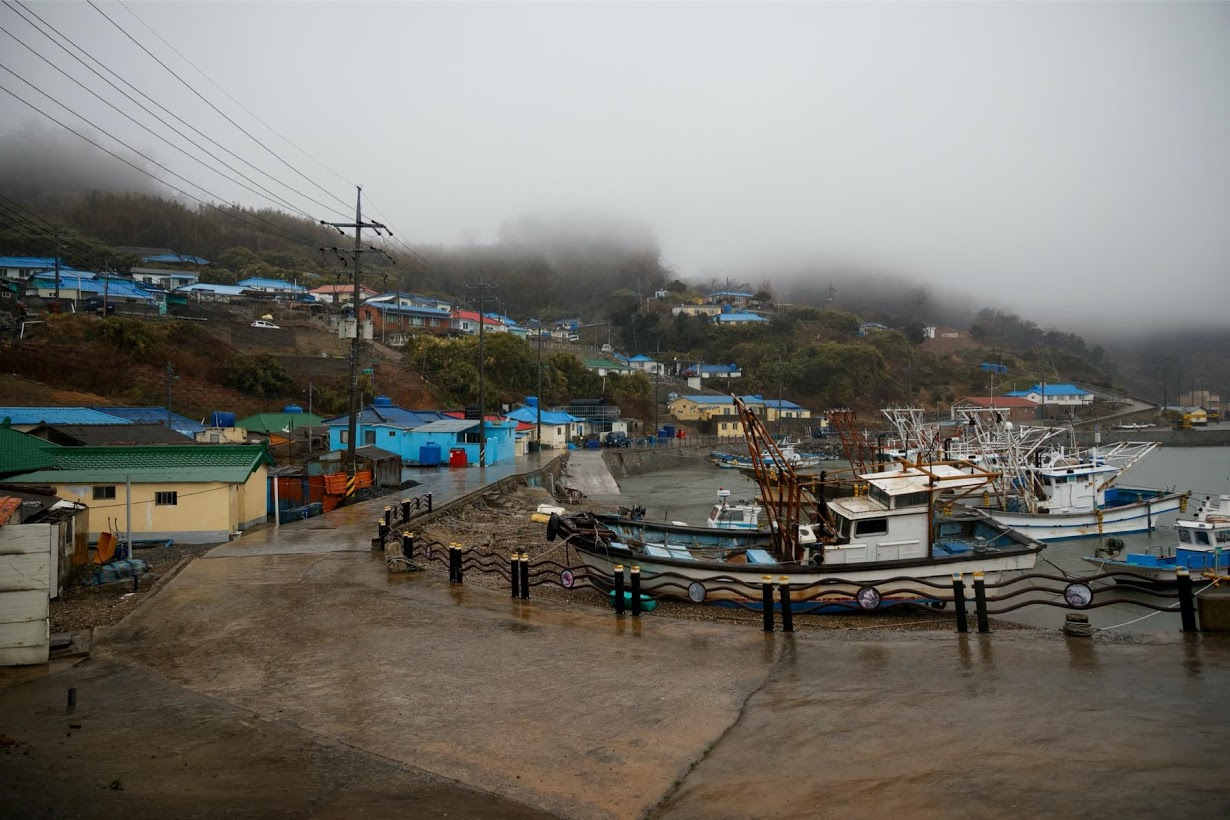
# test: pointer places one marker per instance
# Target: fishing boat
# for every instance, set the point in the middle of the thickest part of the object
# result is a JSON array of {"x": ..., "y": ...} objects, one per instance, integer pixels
[
  {"x": 1045, "y": 490},
  {"x": 903, "y": 525},
  {"x": 1202, "y": 545},
  {"x": 799, "y": 461}
]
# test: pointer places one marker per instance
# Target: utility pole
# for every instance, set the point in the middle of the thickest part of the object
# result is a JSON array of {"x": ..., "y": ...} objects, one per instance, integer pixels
[
  {"x": 356, "y": 343},
  {"x": 57, "y": 268},
  {"x": 482, "y": 286},
  {"x": 170, "y": 378},
  {"x": 538, "y": 404}
]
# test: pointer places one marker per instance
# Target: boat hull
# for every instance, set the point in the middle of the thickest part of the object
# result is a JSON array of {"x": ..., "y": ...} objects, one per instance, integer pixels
[{"x": 1140, "y": 516}]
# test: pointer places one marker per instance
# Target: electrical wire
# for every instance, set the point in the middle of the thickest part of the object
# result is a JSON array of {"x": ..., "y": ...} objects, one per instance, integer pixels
[
  {"x": 208, "y": 102},
  {"x": 167, "y": 111},
  {"x": 269, "y": 195},
  {"x": 233, "y": 211}
]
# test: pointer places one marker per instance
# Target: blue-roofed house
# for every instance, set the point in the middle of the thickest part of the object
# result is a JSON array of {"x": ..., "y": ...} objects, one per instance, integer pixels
[
  {"x": 557, "y": 427},
  {"x": 731, "y": 297},
  {"x": 20, "y": 268},
  {"x": 25, "y": 418},
  {"x": 210, "y": 292},
  {"x": 1055, "y": 395},
  {"x": 451, "y": 433},
  {"x": 164, "y": 278},
  {"x": 715, "y": 413},
  {"x": 175, "y": 259},
  {"x": 272, "y": 287},
  {"x": 381, "y": 424},
  {"x": 739, "y": 318},
  {"x": 72, "y": 283},
  {"x": 393, "y": 314},
  {"x": 775, "y": 409},
  {"x": 153, "y": 415},
  {"x": 644, "y": 364}
]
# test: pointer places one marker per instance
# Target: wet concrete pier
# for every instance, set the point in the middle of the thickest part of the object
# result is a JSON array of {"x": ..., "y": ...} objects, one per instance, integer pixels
[{"x": 289, "y": 674}]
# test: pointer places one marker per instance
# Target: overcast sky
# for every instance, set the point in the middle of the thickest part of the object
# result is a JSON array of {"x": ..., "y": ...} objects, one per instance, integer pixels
[{"x": 1067, "y": 161}]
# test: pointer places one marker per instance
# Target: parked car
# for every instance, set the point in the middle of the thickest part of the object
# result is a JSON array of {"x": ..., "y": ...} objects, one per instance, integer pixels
[
  {"x": 617, "y": 440},
  {"x": 267, "y": 325}
]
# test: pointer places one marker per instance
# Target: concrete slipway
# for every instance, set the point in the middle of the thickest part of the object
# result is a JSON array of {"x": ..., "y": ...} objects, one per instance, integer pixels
[{"x": 292, "y": 676}]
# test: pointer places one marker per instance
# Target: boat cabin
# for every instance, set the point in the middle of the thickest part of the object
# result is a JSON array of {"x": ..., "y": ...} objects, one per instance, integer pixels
[
  {"x": 742, "y": 515},
  {"x": 891, "y": 521},
  {"x": 1078, "y": 488}
]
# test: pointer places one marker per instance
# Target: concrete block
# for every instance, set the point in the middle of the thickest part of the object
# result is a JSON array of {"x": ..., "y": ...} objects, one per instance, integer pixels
[{"x": 1213, "y": 607}]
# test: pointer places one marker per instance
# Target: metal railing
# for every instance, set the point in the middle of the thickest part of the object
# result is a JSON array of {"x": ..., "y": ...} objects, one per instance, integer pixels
[{"x": 630, "y": 588}]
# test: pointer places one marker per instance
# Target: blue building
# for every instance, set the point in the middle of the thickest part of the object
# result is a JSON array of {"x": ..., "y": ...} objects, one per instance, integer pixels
[
  {"x": 154, "y": 415},
  {"x": 406, "y": 432}
]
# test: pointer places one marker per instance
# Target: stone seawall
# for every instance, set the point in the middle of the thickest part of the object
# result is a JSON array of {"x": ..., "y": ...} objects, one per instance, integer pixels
[
  {"x": 635, "y": 462},
  {"x": 1219, "y": 437},
  {"x": 546, "y": 476}
]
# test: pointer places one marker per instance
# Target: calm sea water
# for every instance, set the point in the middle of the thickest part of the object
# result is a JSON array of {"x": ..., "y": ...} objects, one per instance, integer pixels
[{"x": 687, "y": 494}]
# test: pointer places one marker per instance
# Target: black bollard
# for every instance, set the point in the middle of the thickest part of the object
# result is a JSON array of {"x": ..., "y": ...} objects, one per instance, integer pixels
[
  {"x": 453, "y": 561},
  {"x": 382, "y": 530},
  {"x": 459, "y": 569},
  {"x": 388, "y": 516},
  {"x": 428, "y": 502},
  {"x": 72, "y": 700},
  {"x": 958, "y": 601},
  {"x": 787, "y": 612},
  {"x": 405, "y": 509},
  {"x": 407, "y": 544},
  {"x": 635, "y": 575},
  {"x": 1187, "y": 601},
  {"x": 980, "y": 602},
  {"x": 766, "y": 602},
  {"x": 514, "y": 573},
  {"x": 617, "y": 578},
  {"x": 525, "y": 576}
]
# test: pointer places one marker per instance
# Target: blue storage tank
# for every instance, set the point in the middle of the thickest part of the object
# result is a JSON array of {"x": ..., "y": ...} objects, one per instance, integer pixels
[
  {"x": 221, "y": 418},
  {"x": 430, "y": 455},
  {"x": 667, "y": 431},
  {"x": 382, "y": 401},
  {"x": 292, "y": 408}
]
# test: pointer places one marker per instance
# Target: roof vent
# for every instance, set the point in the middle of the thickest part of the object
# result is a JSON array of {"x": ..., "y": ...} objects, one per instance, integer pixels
[{"x": 382, "y": 401}]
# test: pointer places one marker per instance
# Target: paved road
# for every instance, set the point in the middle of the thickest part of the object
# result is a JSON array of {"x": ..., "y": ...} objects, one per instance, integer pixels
[{"x": 312, "y": 683}]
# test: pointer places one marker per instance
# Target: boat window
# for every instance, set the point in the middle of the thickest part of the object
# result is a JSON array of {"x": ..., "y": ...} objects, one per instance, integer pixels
[
  {"x": 1223, "y": 536},
  {"x": 872, "y": 526},
  {"x": 843, "y": 526},
  {"x": 717, "y": 511},
  {"x": 1202, "y": 537},
  {"x": 879, "y": 495},
  {"x": 1185, "y": 536},
  {"x": 913, "y": 499}
]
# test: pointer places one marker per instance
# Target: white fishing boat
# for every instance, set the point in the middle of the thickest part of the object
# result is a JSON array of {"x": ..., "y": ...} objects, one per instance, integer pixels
[
  {"x": 1202, "y": 545},
  {"x": 902, "y": 526}
]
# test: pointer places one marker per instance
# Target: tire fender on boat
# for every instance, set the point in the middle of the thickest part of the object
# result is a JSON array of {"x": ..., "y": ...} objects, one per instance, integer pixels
[{"x": 552, "y": 527}]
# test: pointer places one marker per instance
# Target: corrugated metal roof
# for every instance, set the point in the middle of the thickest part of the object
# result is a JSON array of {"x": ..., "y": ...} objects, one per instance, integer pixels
[
  {"x": 266, "y": 282},
  {"x": 447, "y": 426},
  {"x": 59, "y": 415},
  {"x": 101, "y": 434},
  {"x": 391, "y": 416},
  {"x": 278, "y": 422},
  {"x": 530, "y": 414},
  {"x": 185, "y": 258},
  {"x": 154, "y": 415},
  {"x": 73, "y": 281},
  {"x": 192, "y": 463},
  {"x": 20, "y": 453},
  {"x": 210, "y": 287},
  {"x": 740, "y": 317}
]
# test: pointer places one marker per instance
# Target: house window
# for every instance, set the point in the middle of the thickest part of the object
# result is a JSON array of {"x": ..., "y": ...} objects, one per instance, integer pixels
[
  {"x": 344, "y": 435},
  {"x": 871, "y": 526},
  {"x": 104, "y": 493},
  {"x": 392, "y": 434},
  {"x": 168, "y": 498},
  {"x": 369, "y": 436}
]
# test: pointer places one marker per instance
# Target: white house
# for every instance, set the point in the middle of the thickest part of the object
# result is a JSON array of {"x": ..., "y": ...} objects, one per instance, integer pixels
[
  {"x": 644, "y": 364},
  {"x": 1056, "y": 395}
]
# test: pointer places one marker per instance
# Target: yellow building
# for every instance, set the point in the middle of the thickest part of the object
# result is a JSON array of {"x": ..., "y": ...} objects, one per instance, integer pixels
[
  {"x": 701, "y": 407},
  {"x": 195, "y": 494}
]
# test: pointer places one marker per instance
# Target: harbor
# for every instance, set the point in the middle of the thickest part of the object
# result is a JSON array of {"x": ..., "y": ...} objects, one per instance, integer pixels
[{"x": 428, "y": 697}]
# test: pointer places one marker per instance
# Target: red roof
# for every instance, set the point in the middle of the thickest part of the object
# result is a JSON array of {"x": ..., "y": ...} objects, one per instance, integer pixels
[
  {"x": 1000, "y": 401},
  {"x": 472, "y": 315}
]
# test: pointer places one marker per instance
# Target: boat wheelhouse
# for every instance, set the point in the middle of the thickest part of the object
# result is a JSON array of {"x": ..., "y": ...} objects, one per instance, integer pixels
[{"x": 1202, "y": 545}]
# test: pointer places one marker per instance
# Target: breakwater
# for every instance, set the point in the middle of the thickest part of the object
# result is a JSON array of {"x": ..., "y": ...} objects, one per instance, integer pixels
[
  {"x": 1214, "y": 437},
  {"x": 635, "y": 461}
]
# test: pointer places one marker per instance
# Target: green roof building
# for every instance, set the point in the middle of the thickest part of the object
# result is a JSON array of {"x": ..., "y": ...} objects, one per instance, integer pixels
[{"x": 267, "y": 423}]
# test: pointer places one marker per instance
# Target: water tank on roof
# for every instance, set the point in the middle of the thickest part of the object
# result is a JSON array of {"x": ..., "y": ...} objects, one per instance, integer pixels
[
  {"x": 531, "y": 401},
  {"x": 292, "y": 408},
  {"x": 382, "y": 401},
  {"x": 221, "y": 418}
]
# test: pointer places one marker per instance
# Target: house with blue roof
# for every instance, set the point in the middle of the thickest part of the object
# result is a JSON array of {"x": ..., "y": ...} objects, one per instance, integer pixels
[
  {"x": 775, "y": 409},
  {"x": 398, "y": 314},
  {"x": 164, "y": 278},
  {"x": 739, "y": 318},
  {"x": 87, "y": 284},
  {"x": 210, "y": 292},
  {"x": 407, "y": 432},
  {"x": 20, "y": 268},
  {"x": 272, "y": 287},
  {"x": 175, "y": 259},
  {"x": 644, "y": 364},
  {"x": 557, "y": 427},
  {"x": 1055, "y": 395},
  {"x": 381, "y": 424},
  {"x": 25, "y": 418},
  {"x": 153, "y": 415},
  {"x": 731, "y": 297}
]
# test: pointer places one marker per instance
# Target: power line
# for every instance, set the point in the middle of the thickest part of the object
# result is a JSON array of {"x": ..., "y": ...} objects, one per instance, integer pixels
[
  {"x": 269, "y": 195},
  {"x": 336, "y": 173},
  {"x": 230, "y": 212},
  {"x": 208, "y": 102},
  {"x": 154, "y": 102}
]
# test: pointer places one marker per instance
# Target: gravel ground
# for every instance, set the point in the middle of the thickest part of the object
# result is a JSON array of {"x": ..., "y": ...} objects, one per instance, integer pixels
[
  {"x": 82, "y": 606},
  {"x": 499, "y": 523}
]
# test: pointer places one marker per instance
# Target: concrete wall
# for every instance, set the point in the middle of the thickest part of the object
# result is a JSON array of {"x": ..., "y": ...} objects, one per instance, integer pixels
[
  {"x": 634, "y": 462},
  {"x": 25, "y": 578},
  {"x": 206, "y": 512},
  {"x": 1216, "y": 437}
]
